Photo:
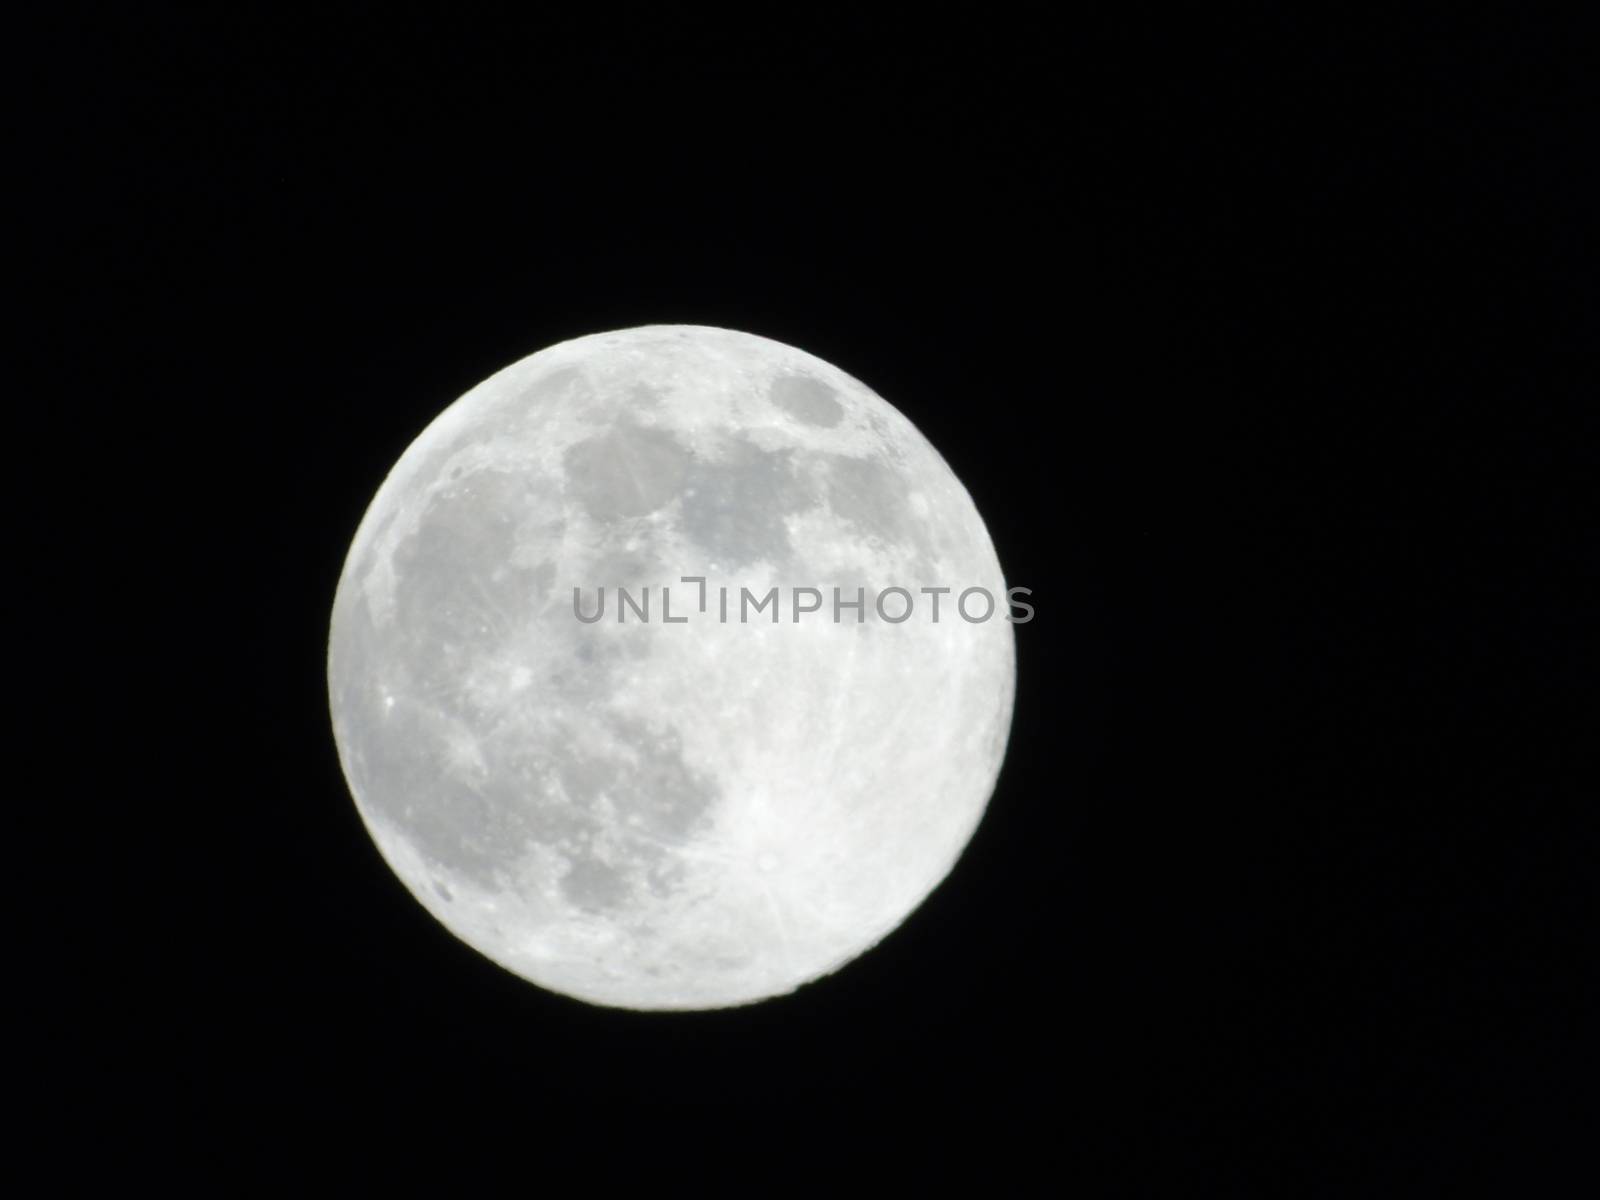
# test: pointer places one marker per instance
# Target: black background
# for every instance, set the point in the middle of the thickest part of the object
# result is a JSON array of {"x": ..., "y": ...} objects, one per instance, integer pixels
[{"x": 1266, "y": 352}]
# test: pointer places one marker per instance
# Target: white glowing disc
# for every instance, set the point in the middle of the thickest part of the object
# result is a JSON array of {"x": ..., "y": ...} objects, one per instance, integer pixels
[{"x": 685, "y": 814}]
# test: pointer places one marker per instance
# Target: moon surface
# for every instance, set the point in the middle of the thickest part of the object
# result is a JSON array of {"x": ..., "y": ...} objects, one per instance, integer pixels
[{"x": 670, "y": 814}]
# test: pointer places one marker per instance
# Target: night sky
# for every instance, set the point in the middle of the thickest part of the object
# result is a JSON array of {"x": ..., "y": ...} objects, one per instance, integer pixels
[{"x": 1266, "y": 351}]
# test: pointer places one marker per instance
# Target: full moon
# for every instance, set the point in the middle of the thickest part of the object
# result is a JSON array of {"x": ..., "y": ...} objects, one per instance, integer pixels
[{"x": 660, "y": 670}]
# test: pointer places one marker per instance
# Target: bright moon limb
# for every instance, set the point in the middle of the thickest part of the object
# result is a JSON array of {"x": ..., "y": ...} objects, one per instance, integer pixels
[{"x": 670, "y": 814}]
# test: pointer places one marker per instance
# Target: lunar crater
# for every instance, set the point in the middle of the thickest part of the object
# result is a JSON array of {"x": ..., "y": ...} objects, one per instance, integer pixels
[{"x": 807, "y": 399}]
